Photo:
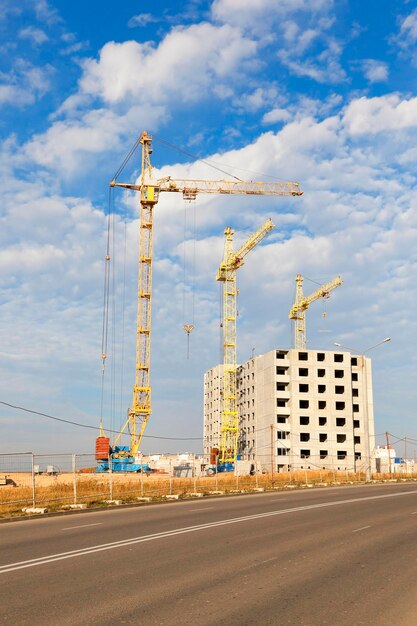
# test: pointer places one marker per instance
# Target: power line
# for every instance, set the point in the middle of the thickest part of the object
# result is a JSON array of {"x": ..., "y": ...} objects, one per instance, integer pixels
[{"x": 78, "y": 424}]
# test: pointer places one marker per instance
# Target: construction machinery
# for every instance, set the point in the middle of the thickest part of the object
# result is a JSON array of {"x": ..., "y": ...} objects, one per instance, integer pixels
[
  {"x": 150, "y": 189},
  {"x": 301, "y": 304},
  {"x": 232, "y": 261},
  {"x": 117, "y": 458}
]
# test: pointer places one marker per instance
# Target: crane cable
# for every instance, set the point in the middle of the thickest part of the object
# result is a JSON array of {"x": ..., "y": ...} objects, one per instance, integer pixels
[
  {"x": 191, "y": 283},
  {"x": 112, "y": 300},
  {"x": 106, "y": 291},
  {"x": 126, "y": 159},
  {"x": 195, "y": 158},
  {"x": 105, "y": 321},
  {"x": 123, "y": 322}
]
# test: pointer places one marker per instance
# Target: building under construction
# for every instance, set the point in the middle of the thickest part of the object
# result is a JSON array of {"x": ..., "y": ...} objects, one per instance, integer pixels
[{"x": 298, "y": 409}]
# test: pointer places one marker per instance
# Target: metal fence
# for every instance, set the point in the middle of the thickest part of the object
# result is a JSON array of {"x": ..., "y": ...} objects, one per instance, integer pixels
[{"x": 56, "y": 481}]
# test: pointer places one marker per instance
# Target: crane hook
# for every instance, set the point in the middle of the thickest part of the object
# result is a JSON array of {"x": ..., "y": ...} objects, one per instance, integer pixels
[{"x": 188, "y": 329}]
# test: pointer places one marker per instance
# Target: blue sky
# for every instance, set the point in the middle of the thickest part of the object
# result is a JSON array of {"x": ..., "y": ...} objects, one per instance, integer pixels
[{"x": 318, "y": 91}]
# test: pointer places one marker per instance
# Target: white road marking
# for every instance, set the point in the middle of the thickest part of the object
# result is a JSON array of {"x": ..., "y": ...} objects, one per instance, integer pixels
[
  {"x": 82, "y": 526},
  {"x": 414, "y": 513},
  {"x": 358, "y": 529},
  {"x": 258, "y": 564},
  {"x": 204, "y": 508},
  {"x": 51, "y": 558}
]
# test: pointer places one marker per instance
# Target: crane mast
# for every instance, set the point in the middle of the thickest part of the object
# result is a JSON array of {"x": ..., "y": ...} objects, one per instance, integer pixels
[
  {"x": 301, "y": 304},
  {"x": 140, "y": 410},
  {"x": 232, "y": 261},
  {"x": 149, "y": 189}
]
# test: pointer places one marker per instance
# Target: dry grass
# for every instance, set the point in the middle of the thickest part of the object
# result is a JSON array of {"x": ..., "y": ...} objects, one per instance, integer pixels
[{"x": 54, "y": 492}]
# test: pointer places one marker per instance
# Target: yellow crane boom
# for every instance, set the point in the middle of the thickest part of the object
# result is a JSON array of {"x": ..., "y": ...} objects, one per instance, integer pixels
[
  {"x": 232, "y": 261},
  {"x": 191, "y": 188},
  {"x": 149, "y": 189},
  {"x": 301, "y": 304}
]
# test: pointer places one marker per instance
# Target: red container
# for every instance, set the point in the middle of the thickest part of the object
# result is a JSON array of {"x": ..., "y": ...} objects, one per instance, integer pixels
[
  {"x": 214, "y": 455},
  {"x": 102, "y": 448}
]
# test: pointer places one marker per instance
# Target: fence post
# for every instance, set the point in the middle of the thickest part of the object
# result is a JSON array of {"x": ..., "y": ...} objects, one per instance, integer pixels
[
  {"x": 217, "y": 477},
  {"x": 170, "y": 477},
  {"x": 33, "y": 482},
  {"x": 141, "y": 474},
  {"x": 74, "y": 477},
  {"x": 194, "y": 476},
  {"x": 110, "y": 477}
]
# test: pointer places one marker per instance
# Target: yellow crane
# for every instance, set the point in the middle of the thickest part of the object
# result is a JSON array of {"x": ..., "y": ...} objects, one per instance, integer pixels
[
  {"x": 232, "y": 261},
  {"x": 301, "y": 304},
  {"x": 149, "y": 189}
]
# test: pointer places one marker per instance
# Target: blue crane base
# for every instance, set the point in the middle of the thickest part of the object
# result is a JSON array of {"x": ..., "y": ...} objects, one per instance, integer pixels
[
  {"x": 122, "y": 461},
  {"x": 220, "y": 469}
]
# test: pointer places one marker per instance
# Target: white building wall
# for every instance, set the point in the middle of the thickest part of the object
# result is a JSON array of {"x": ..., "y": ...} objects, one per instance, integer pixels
[{"x": 213, "y": 393}]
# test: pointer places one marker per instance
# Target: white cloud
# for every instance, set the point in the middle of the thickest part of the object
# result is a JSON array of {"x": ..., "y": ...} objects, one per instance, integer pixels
[
  {"x": 324, "y": 67},
  {"x": 366, "y": 116},
  {"x": 36, "y": 35},
  {"x": 276, "y": 115},
  {"x": 67, "y": 145},
  {"x": 187, "y": 63},
  {"x": 408, "y": 30},
  {"x": 257, "y": 99},
  {"x": 142, "y": 19},
  {"x": 298, "y": 38},
  {"x": 11, "y": 94},
  {"x": 406, "y": 38},
  {"x": 190, "y": 64},
  {"x": 375, "y": 71},
  {"x": 247, "y": 12},
  {"x": 75, "y": 47},
  {"x": 45, "y": 13},
  {"x": 24, "y": 84}
]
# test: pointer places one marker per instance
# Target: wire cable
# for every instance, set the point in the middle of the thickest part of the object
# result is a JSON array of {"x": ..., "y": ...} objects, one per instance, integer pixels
[
  {"x": 211, "y": 163},
  {"x": 80, "y": 425},
  {"x": 127, "y": 158},
  {"x": 105, "y": 322},
  {"x": 123, "y": 323},
  {"x": 195, "y": 158}
]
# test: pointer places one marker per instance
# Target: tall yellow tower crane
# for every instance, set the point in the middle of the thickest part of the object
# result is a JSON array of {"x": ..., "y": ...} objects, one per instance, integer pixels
[
  {"x": 149, "y": 189},
  {"x": 229, "y": 430},
  {"x": 301, "y": 304}
]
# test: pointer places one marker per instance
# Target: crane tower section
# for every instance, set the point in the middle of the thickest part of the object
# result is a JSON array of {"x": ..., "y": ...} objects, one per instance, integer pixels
[{"x": 232, "y": 261}]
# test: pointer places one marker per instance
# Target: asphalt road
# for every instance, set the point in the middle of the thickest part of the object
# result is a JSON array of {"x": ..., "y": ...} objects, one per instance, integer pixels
[{"x": 336, "y": 556}]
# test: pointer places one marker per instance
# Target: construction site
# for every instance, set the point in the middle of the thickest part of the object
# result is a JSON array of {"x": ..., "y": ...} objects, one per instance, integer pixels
[
  {"x": 297, "y": 408},
  {"x": 286, "y": 417},
  {"x": 207, "y": 292}
]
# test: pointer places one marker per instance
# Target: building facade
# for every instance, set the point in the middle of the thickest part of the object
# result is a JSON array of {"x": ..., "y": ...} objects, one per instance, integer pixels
[{"x": 298, "y": 409}]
